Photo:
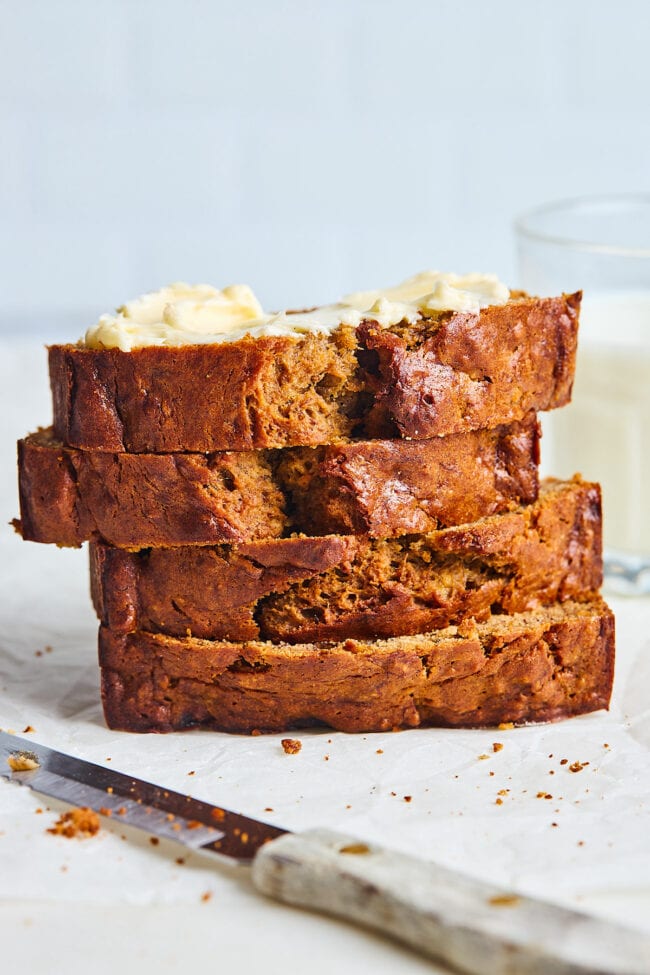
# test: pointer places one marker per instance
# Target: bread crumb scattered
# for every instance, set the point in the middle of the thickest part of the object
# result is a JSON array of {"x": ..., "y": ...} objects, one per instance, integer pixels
[
  {"x": 504, "y": 900},
  {"x": 506, "y": 726},
  {"x": 291, "y": 745},
  {"x": 23, "y": 762},
  {"x": 206, "y": 895},
  {"x": 577, "y": 766},
  {"x": 192, "y": 773},
  {"x": 380, "y": 751},
  {"x": 497, "y": 746},
  {"x": 154, "y": 840},
  {"x": 268, "y": 808},
  {"x": 408, "y": 798},
  {"x": 483, "y": 757},
  {"x": 180, "y": 861},
  {"x": 81, "y": 823},
  {"x": 28, "y": 730}
]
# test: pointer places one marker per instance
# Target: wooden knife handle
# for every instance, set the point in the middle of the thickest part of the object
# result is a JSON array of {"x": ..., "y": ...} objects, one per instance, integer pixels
[{"x": 448, "y": 916}]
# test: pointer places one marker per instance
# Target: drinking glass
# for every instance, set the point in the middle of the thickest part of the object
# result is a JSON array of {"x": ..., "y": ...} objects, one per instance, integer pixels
[{"x": 601, "y": 245}]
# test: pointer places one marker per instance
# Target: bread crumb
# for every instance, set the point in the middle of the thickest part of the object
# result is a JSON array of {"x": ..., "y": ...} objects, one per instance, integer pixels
[
  {"x": 544, "y": 795},
  {"x": 48, "y": 649},
  {"x": 191, "y": 773},
  {"x": 577, "y": 766},
  {"x": 564, "y": 761},
  {"x": 23, "y": 762},
  {"x": 408, "y": 798},
  {"x": 81, "y": 823},
  {"x": 154, "y": 840},
  {"x": 503, "y": 792},
  {"x": 268, "y": 808},
  {"x": 28, "y": 729},
  {"x": 504, "y": 900},
  {"x": 291, "y": 745},
  {"x": 380, "y": 751},
  {"x": 180, "y": 861},
  {"x": 206, "y": 895},
  {"x": 497, "y": 746},
  {"x": 498, "y": 801},
  {"x": 506, "y": 725},
  {"x": 483, "y": 757}
]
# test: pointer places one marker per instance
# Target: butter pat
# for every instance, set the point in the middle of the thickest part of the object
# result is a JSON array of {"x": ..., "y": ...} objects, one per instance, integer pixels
[{"x": 184, "y": 314}]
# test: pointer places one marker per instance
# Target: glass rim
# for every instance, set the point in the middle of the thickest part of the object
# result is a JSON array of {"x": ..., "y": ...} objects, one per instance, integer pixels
[{"x": 622, "y": 200}]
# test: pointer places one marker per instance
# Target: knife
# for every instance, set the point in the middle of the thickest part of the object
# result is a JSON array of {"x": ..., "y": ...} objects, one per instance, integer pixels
[{"x": 475, "y": 927}]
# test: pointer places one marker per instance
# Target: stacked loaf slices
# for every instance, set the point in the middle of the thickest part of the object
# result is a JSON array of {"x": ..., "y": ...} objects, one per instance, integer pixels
[{"x": 320, "y": 518}]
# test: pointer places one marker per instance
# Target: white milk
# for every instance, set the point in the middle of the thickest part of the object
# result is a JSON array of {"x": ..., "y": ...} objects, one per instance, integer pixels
[{"x": 605, "y": 432}]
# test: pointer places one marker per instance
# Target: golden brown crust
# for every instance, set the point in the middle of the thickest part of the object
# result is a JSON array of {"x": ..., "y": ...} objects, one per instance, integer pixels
[
  {"x": 449, "y": 374},
  {"x": 381, "y": 488},
  {"x": 538, "y": 666},
  {"x": 308, "y": 589}
]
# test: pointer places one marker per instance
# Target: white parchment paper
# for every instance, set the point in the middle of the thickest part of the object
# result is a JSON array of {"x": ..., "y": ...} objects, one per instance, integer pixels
[{"x": 470, "y": 807}]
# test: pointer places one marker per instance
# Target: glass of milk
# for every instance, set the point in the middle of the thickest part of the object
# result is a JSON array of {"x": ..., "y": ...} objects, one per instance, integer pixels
[{"x": 601, "y": 245}]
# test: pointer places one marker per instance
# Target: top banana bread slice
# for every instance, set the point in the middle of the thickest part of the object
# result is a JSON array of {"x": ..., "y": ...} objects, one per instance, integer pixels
[{"x": 448, "y": 373}]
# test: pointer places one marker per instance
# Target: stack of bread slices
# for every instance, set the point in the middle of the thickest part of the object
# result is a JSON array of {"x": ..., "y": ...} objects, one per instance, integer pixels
[{"x": 328, "y": 517}]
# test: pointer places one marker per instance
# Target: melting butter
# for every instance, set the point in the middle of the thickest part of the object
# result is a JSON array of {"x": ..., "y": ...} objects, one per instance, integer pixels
[{"x": 184, "y": 314}]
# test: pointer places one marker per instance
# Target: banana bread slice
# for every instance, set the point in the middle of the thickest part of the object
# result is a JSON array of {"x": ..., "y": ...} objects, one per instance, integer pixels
[
  {"x": 307, "y": 590},
  {"x": 445, "y": 374},
  {"x": 537, "y": 666},
  {"x": 381, "y": 488}
]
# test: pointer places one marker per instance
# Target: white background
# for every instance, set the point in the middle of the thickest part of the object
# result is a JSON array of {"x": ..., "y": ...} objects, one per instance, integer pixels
[{"x": 306, "y": 148}]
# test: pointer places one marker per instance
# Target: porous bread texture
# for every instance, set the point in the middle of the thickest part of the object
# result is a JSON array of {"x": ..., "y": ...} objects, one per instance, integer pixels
[
  {"x": 307, "y": 589},
  {"x": 446, "y": 374},
  {"x": 539, "y": 666},
  {"x": 380, "y": 488}
]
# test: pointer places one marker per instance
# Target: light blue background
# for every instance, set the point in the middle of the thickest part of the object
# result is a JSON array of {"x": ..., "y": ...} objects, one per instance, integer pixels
[{"x": 305, "y": 148}]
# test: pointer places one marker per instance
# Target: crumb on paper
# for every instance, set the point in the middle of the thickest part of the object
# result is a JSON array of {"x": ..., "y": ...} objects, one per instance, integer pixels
[
  {"x": 291, "y": 745},
  {"x": 38, "y": 811},
  {"x": 544, "y": 795},
  {"x": 192, "y": 772},
  {"x": 23, "y": 762},
  {"x": 506, "y": 725},
  {"x": 28, "y": 730},
  {"x": 408, "y": 798},
  {"x": 206, "y": 895},
  {"x": 81, "y": 823},
  {"x": 564, "y": 761},
  {"x": 498, "y": 801},
  {"x": 497, "y": 746},
  {"x": 504, "y": 900},
  {"x": 380, "y": 751},
  {"x": 326, "y": 758},
  {"x": 483, "y": 757},
  {"x": 577, "y": 766},
  {"x": 48, "y": 648},
  {"x": 268, "y": 808},
  {"x": 180, "y": 861},
  {"x": 154, "y": 840}
]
